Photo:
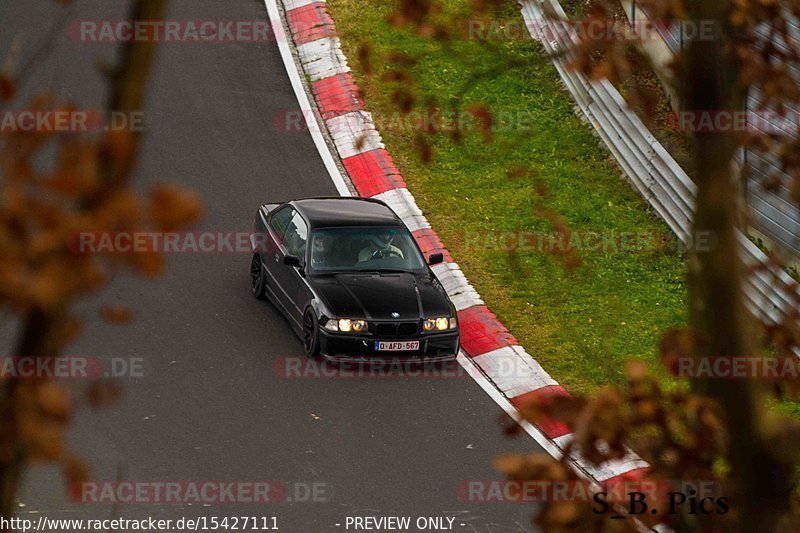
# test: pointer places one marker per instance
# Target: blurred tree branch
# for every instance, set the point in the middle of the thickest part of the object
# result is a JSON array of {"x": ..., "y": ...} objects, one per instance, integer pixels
[
  {"x": 42, "y": 275},
  {"x": 722, "y": 429}
]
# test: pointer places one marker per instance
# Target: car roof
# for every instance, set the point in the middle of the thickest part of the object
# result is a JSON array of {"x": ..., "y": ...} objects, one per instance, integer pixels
[{"x": 346, "y": 211}]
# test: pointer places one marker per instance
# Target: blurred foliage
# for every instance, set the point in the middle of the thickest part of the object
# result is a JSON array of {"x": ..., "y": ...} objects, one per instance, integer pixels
[
  {"x": 722, "y": 430},
  {"x": 56, "y": 185}
]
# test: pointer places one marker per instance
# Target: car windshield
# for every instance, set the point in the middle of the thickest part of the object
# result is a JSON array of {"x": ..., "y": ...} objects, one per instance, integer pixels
[{"x": 381, "y": 249}]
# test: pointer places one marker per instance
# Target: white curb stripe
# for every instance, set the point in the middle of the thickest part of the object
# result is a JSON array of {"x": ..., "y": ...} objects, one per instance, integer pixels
[
  {"x": 354, "y": 133},
  {"x": 458, "y": 288},
  {"x": 513, "y": 371},
  {"x": 543, "y": 440},
  {"x": 465, "y": 300},
  {"x": 323, "y": 58},
  {"x": 314, "y": 127},
  {"x": 606, "y": 470},
  {"x": 402, "y": 202},
  {"x": 288, "y": 5},
  {"x": 555, "y": 447}
]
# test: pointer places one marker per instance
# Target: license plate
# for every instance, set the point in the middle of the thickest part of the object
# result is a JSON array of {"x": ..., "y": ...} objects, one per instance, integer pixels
[{"x": 396, "y": 346}]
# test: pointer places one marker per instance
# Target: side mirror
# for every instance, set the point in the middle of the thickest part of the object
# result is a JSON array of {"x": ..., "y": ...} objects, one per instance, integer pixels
[
  {"x": 291, "y": 260},
  {"x": 435, "y": 259}
]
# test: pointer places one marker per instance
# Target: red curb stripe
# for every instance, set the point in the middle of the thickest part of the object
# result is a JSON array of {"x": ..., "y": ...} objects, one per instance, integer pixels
[
  {"x": 551, "y": 427},
  {"x": 429, "y": 243},
  {"x": 628, "y": 477},
  {"x": 481, "y": 332},
  {"x": 337, "y": 95},
  {"x": 373, "y": 172},
  {"x": 310, "y": 22}
]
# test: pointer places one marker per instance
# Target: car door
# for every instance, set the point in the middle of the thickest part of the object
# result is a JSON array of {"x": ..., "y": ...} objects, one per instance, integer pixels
[
  {"x": 290, "y": 279},
  {"x": 273, "y": 256}
]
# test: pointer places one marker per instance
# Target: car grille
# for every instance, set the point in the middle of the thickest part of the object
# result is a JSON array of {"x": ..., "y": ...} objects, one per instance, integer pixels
[{"x": 389, "y": 329}]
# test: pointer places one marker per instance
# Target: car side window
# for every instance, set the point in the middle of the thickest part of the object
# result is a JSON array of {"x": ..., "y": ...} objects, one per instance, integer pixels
[
  {"x": 296, "y": 236},
  {"x": 280, "y": 221}
]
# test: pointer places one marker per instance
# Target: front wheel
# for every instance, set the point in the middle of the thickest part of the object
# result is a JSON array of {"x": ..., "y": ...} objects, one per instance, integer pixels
[
  {"x": 258, "y": 281},
  {"x": 311, "y": 334}
]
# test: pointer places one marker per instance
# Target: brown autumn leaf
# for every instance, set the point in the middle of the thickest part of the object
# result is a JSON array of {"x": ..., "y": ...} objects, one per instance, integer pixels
[
  {"x": 794, "y": 188},
  {"x": 403, "y": 99},
  {"x": 150, "y": 264},
  {"x": 558, "y": 407},
  {"x": 424, "y": 149},
  {"x": 65, "y": 332},
  {"x": 120, "y": 211},
  {"x": 396, "y": 76},
  {"x": 635, "y": 370},
  {"x": 7, "y": 88},
  {"x": 484, "y": 6},
  {"x": 364, "y": 54},
  {"x": 604, "y": 421},
  {"x": 45, "y": 441},
  {"x": 429, "y": 123},
  {"x": 173, "y": 207},
  {"x": 397, "y": 57},
  {"x": 485, "y": 121},
  {"x": 103, "y": 393},
  {"x": 413, "y": 12},
  {"x": 117, "y": 314},
  {"x": 50, "y": 285},
  {"x": 360, "y": 141},
  {"x": 75, "y": 472},
  {"x": 52, "y": 400},
  {"x": 77, "y": 171},
  {"x": 563, "y": 516},
  {"x": 517, "y": 172},
  {"x": 118, "y": 148}
]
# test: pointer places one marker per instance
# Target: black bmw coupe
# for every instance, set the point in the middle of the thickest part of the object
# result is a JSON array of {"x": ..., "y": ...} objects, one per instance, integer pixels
[{"x": 351, "y": 280}]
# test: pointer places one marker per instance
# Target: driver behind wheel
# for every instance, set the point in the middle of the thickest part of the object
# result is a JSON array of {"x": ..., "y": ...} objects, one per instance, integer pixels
[{"x": 380, "y": 246}]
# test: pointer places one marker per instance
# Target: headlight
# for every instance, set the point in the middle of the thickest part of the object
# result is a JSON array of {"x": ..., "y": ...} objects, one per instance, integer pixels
[
  {"x": 346, "y": 325},
  {"x": 359, "y": 325},
  {"x": 439, "y": 324}
]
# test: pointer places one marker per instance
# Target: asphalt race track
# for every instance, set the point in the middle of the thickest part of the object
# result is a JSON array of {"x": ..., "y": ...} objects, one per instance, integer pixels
[{"x": 210, "y": 405}]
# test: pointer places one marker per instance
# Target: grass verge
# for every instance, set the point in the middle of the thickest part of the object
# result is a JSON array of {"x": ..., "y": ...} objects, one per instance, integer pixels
[{"x": 581, "y": 322}]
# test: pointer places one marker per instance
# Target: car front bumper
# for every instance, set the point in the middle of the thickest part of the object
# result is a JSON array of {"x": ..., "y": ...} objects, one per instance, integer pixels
[{"x": 433, "y": 347}]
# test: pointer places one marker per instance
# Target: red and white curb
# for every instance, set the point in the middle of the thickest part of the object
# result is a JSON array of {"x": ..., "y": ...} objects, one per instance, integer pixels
[{"x": 489, "y": 352}]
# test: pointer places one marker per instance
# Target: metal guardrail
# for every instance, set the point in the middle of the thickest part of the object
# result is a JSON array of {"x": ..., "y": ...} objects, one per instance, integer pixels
[
  {"x": 648, "y": 166},
  {"x": 774, "y": 213}
]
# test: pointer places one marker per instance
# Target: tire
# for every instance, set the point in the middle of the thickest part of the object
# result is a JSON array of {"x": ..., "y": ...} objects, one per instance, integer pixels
[
  {"x": 258, "y": 281},
  {"x": 311, "y": 334}
]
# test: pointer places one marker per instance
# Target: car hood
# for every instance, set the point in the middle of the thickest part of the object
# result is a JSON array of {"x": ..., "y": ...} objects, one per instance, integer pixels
[{"x": 376, "y": 296}]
